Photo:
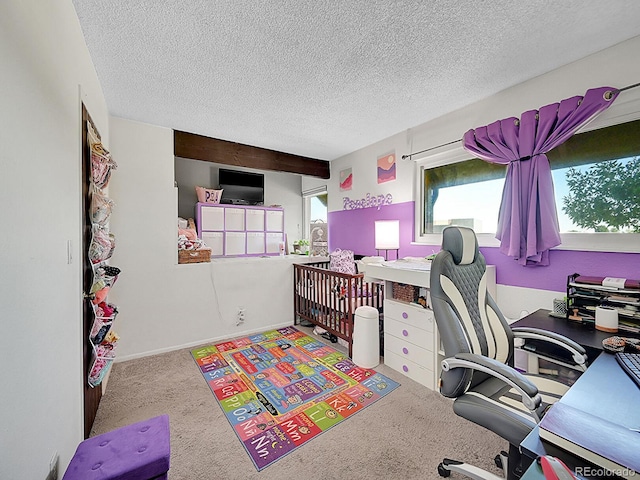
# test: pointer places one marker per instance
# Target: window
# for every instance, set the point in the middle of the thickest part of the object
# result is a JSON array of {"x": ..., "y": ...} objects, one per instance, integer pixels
[
  {"x": 315, "y": 220},
  {"x": 597, "y": 189}
]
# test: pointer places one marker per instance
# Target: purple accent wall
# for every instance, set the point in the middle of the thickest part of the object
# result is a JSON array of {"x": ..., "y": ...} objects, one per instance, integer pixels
[{"x": 353, "y": 230}]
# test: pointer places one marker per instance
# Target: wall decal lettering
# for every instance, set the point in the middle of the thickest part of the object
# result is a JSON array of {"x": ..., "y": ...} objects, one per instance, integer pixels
[{"x": 368, "y": 201}]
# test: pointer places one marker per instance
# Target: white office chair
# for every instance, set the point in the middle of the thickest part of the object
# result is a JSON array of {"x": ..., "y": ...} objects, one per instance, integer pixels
[{"x": 479, "y": 351}]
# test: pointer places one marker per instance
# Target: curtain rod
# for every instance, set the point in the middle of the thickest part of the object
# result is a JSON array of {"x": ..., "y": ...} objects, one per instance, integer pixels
[{"x": 628, "y": 87}]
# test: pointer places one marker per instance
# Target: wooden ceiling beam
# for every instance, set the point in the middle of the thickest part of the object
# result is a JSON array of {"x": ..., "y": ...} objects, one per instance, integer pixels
[{"x": 198, "y": 147}]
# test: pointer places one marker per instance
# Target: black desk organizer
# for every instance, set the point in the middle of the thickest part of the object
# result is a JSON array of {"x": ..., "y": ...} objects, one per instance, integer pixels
[{"x": 583, "y": 298}]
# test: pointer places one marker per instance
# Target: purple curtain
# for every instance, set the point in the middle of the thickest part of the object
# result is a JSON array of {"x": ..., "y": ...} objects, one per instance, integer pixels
[{"x": 528, "y": 220}]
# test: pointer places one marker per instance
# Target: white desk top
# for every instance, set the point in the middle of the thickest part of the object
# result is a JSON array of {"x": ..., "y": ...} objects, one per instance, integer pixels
[{"x": 410, "y": 273}]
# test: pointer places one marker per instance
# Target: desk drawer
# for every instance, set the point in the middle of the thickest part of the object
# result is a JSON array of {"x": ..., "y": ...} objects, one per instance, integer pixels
[
  {"x": 413, "y": 315},
  {"x": 406, "y": 367},
  {"x": 408, "y": 333},
  {"x": 409, "y": 351}
]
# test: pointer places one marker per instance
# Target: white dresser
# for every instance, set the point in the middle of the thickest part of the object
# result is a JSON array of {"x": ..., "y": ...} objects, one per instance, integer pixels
[{"x": 411, "y": 340}]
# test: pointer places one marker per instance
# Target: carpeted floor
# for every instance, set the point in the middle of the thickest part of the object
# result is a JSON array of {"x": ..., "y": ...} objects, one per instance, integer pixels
[{"x": 402, "y": 436}]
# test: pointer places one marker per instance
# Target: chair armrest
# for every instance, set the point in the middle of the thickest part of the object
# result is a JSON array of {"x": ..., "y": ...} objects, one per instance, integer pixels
[
  {"x": 578, "y": 353},
  {"x": 527, "y": 390}
]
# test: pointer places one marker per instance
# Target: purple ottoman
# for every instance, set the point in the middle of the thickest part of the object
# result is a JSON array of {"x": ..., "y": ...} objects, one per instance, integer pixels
[{"x": 140, "y": 451}]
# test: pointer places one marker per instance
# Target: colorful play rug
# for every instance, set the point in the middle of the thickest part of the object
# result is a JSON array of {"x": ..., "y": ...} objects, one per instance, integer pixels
[{"x": 281, "y": 388}]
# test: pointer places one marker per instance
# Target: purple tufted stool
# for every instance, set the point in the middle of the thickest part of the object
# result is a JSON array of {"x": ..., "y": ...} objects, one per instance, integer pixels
[{"x": 139, "y": 451}]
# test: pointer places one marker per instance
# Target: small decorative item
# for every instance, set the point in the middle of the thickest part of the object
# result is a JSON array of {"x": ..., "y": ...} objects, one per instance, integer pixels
[
  {"x": 559, "y": 308},
  {"x": 575, "y": 315},
  {"x": 301, "y": 246},
  {"x": 208, "y": 195},
  {"x": 387, "y": 167},
  {"x": 319, "y": 244}
]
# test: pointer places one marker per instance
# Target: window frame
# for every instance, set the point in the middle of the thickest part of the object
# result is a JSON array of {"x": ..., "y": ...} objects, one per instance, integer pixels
[
  {"x": 307, "y": 195},
  {"x": 454, "y": 153}
]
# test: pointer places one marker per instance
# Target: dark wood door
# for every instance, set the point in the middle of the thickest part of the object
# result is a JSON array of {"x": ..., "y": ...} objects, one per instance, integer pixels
[{"x": 92, "y": 395}]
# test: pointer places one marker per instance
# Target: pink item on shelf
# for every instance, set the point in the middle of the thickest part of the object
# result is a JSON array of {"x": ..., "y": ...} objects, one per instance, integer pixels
[
  {"x": 208, "y": 195},
  {"x": 107, "y": 310},
  {"x": 101, "y": 295},
  {"x": 189, "y": 233},
  {"x": 102, "y": 244},
  {"x": 101, "y": 165},
  {"x": 101, "y": 206}
]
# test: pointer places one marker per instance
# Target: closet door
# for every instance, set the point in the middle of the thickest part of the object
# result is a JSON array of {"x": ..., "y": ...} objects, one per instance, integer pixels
[{"x": 92, "y": 396}]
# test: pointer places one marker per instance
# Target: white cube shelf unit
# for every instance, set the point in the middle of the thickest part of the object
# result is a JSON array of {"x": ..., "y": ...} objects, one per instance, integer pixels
[{"x": 240, "y": 230}]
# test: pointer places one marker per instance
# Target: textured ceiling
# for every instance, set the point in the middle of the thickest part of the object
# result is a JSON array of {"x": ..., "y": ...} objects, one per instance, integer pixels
[{"x": 324, "y": 78}]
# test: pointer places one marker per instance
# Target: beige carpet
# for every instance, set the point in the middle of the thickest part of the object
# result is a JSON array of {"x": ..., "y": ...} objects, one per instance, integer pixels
[{"x": 404, "y": 435}]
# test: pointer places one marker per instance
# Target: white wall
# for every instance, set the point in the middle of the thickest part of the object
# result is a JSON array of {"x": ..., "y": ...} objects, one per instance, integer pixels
[
  {"x": 44, "y": 62},
  {"x": 162, "y": 305}
]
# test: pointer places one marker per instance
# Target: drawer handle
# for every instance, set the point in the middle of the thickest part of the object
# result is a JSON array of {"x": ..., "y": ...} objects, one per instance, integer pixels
[
  {"x": 405, "y": 333},
  {"x": 405, "y": 315},
  {"x": 405, "y": 350},
  {"x": 405, "y": 369}
]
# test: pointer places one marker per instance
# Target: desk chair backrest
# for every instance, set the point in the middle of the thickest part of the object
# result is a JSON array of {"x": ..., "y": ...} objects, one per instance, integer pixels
[{"x": 468, "y": 319}]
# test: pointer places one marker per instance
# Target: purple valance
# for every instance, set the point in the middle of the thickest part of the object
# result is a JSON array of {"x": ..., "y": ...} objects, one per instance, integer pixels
[{"x": 528, "y": 220}]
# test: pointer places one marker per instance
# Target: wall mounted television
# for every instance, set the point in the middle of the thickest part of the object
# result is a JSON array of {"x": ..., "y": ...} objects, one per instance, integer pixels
[{"x": 241, "y": 188}]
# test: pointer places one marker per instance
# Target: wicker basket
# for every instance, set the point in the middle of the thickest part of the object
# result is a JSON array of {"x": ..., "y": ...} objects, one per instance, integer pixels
[
  {"x": 403, "y": 292},
  {"x": 202, "y": 255},
  {"x": 194, "y": 256}
]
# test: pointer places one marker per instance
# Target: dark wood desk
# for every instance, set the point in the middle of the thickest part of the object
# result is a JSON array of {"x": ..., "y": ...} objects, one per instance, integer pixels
[
  {"x": 588, "y": 337},
  {"x": 604, "y": 390}
]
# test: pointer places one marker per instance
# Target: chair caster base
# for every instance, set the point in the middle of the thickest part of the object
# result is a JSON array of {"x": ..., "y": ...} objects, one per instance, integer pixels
[
  {"x": 447, "y": 466},
  {"x": 443, "y": 472},
  {"x": 498, "y": 460}
]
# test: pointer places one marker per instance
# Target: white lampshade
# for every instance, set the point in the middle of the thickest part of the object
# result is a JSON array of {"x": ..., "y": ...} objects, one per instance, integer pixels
[{"x": 387, "y": 234}]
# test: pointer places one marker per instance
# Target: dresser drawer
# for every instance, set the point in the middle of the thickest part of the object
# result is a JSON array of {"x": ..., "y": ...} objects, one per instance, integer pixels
[
  {"x": 404, "y": 349},
  {"x": 413, "y": 315},
  {"x": 211, "y": 218},
  {"x": 409, "y": 333},
  {"x": 412, "y": 370}
]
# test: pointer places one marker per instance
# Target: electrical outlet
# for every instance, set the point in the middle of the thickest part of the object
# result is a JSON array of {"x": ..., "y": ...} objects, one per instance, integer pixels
[
  {"x": 53, "y": 467},
  {"x": 240, "y": 316}
]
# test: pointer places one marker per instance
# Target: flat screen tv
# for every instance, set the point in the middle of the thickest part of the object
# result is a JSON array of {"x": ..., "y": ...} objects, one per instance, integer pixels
[{"x": 241, "y": 188}]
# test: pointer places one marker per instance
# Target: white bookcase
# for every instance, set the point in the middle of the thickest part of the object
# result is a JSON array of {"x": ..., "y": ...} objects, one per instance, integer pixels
[{"x": 239, "y": 230}]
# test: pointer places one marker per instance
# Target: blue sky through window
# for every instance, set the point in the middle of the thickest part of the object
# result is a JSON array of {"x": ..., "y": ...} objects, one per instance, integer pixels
[{"x": 477, "y": 204}]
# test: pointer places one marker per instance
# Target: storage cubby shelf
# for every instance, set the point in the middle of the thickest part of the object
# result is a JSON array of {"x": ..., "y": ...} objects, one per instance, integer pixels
[{"x": 240, "y": 230}]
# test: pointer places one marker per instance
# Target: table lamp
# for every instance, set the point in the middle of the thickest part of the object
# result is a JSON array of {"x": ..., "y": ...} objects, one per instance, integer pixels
[{"x": 387, "y": 236}]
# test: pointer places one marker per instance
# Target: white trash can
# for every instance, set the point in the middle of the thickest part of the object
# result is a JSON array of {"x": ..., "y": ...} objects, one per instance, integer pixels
[{"x": 366, "y": 337}]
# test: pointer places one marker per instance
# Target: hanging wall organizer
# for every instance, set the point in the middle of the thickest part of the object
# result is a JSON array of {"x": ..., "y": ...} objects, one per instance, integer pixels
[{"x": 102, "y": 338}]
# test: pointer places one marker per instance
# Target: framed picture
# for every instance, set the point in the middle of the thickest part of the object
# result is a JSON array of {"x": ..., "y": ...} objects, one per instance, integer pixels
[
  {"x": 387, "y": 167},
  {"x": 346, "y": 179}
]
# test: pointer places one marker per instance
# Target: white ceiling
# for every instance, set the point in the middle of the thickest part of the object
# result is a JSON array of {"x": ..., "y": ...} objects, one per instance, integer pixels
[{"x": 323, "y": 78}]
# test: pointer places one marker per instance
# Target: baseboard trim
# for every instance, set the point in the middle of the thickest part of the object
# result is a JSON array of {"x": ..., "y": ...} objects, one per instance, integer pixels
[{"x": 172, "y": 348}]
